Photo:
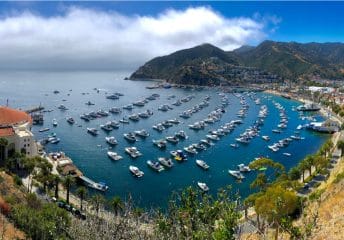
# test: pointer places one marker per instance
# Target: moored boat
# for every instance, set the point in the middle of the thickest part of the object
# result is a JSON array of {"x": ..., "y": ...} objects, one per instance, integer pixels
[
  {"x": 237, "y": 174},
  {"x": 202, "y": 164},
  {"x": 136, "y": 171},
  {"x": 155, "y": 166},
  {"x": 114, "y": 156},
  {"x": 167, "y": 162},
  {"x": 203, "y": 186}
]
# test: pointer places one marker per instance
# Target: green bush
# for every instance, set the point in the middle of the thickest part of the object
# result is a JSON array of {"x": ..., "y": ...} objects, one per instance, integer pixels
[
  {"x": 339, "y": 177},
  {"x": 17, "y": 180}
]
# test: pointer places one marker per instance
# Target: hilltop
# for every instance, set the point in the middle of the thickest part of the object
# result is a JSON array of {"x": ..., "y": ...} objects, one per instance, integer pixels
[{"x": 268, "y": 62}]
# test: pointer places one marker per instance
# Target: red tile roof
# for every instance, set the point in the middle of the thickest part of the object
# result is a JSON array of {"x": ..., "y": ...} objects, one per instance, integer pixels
[
  {"x": 9, "y": 116},
  {"x": 6, "y": 132}
]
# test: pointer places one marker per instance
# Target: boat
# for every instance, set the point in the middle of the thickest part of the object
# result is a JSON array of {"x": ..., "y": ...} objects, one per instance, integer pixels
[
  {"x": 92, "y": 131},
  {"x": 213, "y": 137},
  {"x": 139, "y": 103},
  {"x": 174, "y": 121},
  {"x": 295, "y": 137},
  {"x": 203, "y": 186},
  {"x": 55, "y": 140},
  {"x": 167, "y": 162},
  {"x": 54, "y": 122},
  {"x": 234, "y": 145},
  {"x": 190, "y": 150},
  {"x": 89, "y": 103},
  {"x": 199, "y": 146},
  {"x": 142, "y": 133},
  {"x": 273, "y": 148},
  {"x": 178, "y": 155},
  {"x": 124, "y": 120},
  {"x": 202, "y": 164},
  {"x": 70, "y": 120},
  {"x": 114, "y": 156},
  {"x": 130, "y": 137},
  {"x": 115, "y": 110},
  {"x": 133, "y": 152},
  {"x": 155, "y": 166},
  {"x": 106, "y": 127},
  {"x": 134, "y": 117},
  {"x": 101, "y": 186},
  {"x": 276, "y": 131},
  {"x": 114, "y": 124},
  {"x": 112, "y": 96},
  {"x": 62, "y": 107},
  {"x": 160, "y": 143},
  {"x": 266, "y": 138},
  {"x": 206, "y": 142},
  {"x": 327, "y": 126},
  {"x": 128, "y": 107},
  {"x": 43, "y": 129},
  {"x": 243, "y": 168},
  {"x": 136, "y": 171},
  {"x": 172, "y": 139},
  {"x": 237, "y": 174},
  {"x": 181, "y": 134},
  {"x": 159, "y": 127},
  {"x": 287, "y": 154},
  {"x": 102, "y": 113},
  {"x": 111, "y": 140},
  {"x": 85, "y": 117}
]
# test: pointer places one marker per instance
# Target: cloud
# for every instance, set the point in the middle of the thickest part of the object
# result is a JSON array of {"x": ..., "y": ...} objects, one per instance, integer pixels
[{"x": 82, "y": 38}]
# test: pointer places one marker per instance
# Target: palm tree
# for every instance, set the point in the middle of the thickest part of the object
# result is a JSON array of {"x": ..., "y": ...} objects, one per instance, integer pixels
[
  {"x": 116, "y": 204},
  {"x": 67, "y": 183},
  {"x": 97, "y": 201},
  {"x": 57, "y": 180},
  {"x": 81, "y": 192},
  {"x": 3, "y": 145}
]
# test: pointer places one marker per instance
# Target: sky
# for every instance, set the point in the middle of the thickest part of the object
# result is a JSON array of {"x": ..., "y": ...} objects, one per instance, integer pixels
[{"x": 124, "y": 35}]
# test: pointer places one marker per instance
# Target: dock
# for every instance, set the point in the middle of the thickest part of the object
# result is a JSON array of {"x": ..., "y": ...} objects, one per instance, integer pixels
[
  {"x": 34, "y": 109},
  {"x": 92, "y": 184}
]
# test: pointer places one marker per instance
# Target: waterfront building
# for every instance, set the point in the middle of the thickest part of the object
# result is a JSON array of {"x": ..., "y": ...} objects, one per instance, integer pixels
[{"x": 15, "y": 128}]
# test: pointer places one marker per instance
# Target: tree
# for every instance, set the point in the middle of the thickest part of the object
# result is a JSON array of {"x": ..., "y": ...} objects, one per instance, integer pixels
[
  {"x": 81, "y": 192},
  {"x": 260, "y": 182},
  {"x": 56, "y": 180},
  {"x": 266, "y": 162},
  {"x": 294, "y": 173},
  {"x": 116, "y": 204},
  {"x": 309, "y": 163},
  {"x": 340, "y": 145},
  {"x": 303, "y": 167},
  {"x": 67, "y": 183},
  {"x": 97, "y": 201},
  {"x": 275, "y": 204},
  {"x": 3, "y": 145}
]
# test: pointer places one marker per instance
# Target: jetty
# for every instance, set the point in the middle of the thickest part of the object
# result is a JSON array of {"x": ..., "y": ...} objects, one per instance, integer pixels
[
  {"x": 34, "y": 109},
  {"x": 92, "y": 184}
]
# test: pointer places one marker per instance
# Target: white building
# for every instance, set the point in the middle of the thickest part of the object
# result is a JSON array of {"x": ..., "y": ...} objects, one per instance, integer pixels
[{"x": 15, "y": 127}]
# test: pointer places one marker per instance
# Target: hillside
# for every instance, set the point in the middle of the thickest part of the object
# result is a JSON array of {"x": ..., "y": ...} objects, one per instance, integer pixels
[{"x": 207, "y": 64}]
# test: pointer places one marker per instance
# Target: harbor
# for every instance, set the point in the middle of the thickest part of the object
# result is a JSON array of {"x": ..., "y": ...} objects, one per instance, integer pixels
[{"x": 211, "y": 120}]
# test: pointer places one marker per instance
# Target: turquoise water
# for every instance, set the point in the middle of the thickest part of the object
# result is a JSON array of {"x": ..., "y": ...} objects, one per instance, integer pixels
[{"x": 26, "y": 89}]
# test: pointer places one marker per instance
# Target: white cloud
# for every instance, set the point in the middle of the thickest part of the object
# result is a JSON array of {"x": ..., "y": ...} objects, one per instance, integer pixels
[{"x": 91, "y": 39}]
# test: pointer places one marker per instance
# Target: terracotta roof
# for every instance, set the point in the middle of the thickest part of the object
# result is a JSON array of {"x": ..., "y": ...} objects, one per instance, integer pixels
[
  {"x": 6, "y": 132},
  {"x": 9, "y": 116}
]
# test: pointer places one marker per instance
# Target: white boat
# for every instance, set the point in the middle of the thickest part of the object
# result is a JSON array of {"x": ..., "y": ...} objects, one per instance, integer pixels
[
  {"x": 159, "y": 127},
  {"x": 54, "y": 122},
  {"x": 124, "y": 120},
  {"x": 273, "y": 148},
  {"x": 115, "y": 110},
  {"x": 130, "y": 137},
  {"x": 134, "y": 117},
  {"x": 213, "y": 137},
  {"x": 167, "y": 162},
  {"x": 190, "y": 149},
  {"x": 133, "y": 152},
  {"x": 178, "y": 155},
  {"x": 243, "y": 168},
  {"x": 106, "y": 127},
  {"x": 206, "y": 142},
  {"x": 203, "y": 186},
  {"x": 172, "y": 139},
  {"x": 234, "y": 145},
  {"x": 266, "y": 138},
  {"x": 128, "y": 107},
  {"x": 141, "y": 133},
  {"x": 136, "y": 171},
  {"x": 155, "y": 166},
  {"x": 102, "y": 113},
  {"x": 202, "y": 164},
  {"x": 62, "y": 107},
  {"x": 114, "y": 156},
  {"x": 55, "y": 140},
  {"x": 181, "y": 134},
  {"x": 113, "y": 124},
  {"x": 111, "y": 140},
  {"x": 92, "y": 131},
  {"x": 161, "y": 143},
  {"x": 287, "y": 154},
  {"x": 237, "y": 174}
]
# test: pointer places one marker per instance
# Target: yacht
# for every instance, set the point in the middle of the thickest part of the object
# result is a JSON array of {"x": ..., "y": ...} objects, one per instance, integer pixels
[
  {"x": 266, "y": 138},
  {"x": 139, "y": 103},
  {"x": 155, "y": 166},
  {"x": 115, "y": 110},
  {"x": 178, "y": 155},
  {"x": 136, "y": 171},
  {"x": 142, "y": 133},
  {"x": 167, "y": 162},
  {"x": 54, "y": 122},
  {"x": 190, "y": 150},
  {"x": 85, "y": 117},
  {"x": 199, "y": 146},
  {"x": 172, "y": 139},
  {"x": 114, "y": 124},
  {"x": 295, "y": 137},
  {"x": 124, "y": 120},
  {"x": 237, "y": 174},
  {"x": 44, "y": 129},
  {"x": 234, "y": 145},
  {"x": 273, "y": 147},
  {"x": 143, "y": 115},
  {"x": 174, "y": 121},
  {"x": 92, "y": 131},
  {"x": 160, "y": 143},
  {"x": 159, "y": 127},
  {"x": 276, "y": 131},
  {"x": 128, "y": 107},
  {"x": 114, "y": 156},
  {"x": 55, "y": 140},
  {"x": 181, "y": 134},
  {"x": 102, "y": 113},
  {"x": 89, "y": 103},
  {"x": 243, "y": 168},
  {"x": 202, "y": 164},
  {"x": 167, "y": 124},
  {"x": 213, "y": 137},
  {"x": 106, "y": 127},
  {"x": 287, "y": 154},
  {"x": 203, "y": 186},
  {"x": 134, "y": 117},
  {"x": 112, "y": 96},
  {"x": 206, "y": 142},
  {"x": 62, "y": 107},
  {"x": 111, "y": 140},
  {"x": 133, "y": 152},
  {"x": 130, "y": 137}
]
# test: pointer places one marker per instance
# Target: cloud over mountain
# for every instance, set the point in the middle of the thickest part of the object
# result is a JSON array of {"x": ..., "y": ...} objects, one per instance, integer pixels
[{"x": 82, "y": 38}]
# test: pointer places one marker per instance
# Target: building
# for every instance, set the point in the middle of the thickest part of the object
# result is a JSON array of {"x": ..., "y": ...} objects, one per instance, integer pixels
[{"x": 15, "y": 128}]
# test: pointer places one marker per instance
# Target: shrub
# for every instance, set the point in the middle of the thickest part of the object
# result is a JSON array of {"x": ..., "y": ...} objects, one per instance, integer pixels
[
  {"x": 4, "y": 207},
  {"x": 17, "y": 180}
]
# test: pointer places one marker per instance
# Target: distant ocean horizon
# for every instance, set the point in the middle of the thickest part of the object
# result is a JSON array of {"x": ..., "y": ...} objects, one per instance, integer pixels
[{"x": 27, "y": 89}]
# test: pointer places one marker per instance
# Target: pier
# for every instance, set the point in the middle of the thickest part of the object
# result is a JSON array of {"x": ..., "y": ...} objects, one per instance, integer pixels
[
  {"x": 34, "y": 109},
  {"x": 92, "y": 184}
]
